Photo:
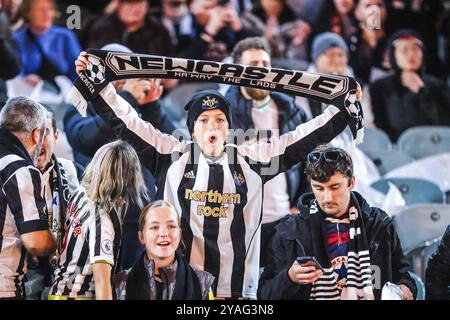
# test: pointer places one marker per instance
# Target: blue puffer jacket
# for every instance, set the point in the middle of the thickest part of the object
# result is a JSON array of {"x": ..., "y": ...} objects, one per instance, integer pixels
[{"x": 290, "y": 116}]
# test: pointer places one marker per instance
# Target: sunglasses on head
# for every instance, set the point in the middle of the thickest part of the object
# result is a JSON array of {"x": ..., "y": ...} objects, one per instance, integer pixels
[{"x": 328, "y": 156}]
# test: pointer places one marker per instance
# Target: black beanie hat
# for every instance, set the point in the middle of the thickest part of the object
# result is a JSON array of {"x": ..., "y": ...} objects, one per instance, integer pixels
[
  {"x": 203, "y": 101},
  {"x": 404, "y": 33}
]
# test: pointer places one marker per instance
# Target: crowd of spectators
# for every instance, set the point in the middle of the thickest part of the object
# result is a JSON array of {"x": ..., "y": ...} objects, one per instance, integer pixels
[{"x": 398, "y": 51}]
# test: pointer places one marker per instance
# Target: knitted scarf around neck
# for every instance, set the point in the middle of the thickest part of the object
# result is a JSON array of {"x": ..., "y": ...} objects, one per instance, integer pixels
[{"x": 358, "y": 284}]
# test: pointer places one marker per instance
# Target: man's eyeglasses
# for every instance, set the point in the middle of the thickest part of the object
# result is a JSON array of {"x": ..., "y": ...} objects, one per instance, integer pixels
[{"x": 328, "y": 156}]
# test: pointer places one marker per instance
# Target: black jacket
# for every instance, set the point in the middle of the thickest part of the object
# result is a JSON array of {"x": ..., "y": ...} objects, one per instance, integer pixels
[
  {"x": 384, "y": 246},
  {"x": 290, "y": 115},
  {"x": 363, "y": 58},
  {"x": 200, "y": 49},
  {"x": 437, "y": 275},
  {"x": 9, "y": 64},
  {"x": 396, "y": 109},
  {"x": 151, "y": 38}
]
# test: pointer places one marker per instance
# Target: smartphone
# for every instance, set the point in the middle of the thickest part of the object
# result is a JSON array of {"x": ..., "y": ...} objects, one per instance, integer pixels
[{"x": 309, "y": 261}]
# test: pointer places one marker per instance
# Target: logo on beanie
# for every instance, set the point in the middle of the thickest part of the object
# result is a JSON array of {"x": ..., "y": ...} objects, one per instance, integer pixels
[{"x": 210, "y": 103}]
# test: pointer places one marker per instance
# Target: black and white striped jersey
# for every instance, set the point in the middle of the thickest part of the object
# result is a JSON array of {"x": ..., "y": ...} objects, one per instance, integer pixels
[
  {"x": 22, "y": 210},
  {"x": 91, "y": 237},
  {"x": 220, "y": 203}
]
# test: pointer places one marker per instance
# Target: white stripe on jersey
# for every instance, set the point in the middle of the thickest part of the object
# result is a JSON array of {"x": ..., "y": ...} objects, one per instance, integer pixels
[
  {"x": 28, "y": 203},
  {"x": 6, "y": 160},
  {"x": 176, "y": 170},
  {"x": 225, "y": 241},
  {"x": 252, "y": 216},
  {"x": 196, "y": 222}
]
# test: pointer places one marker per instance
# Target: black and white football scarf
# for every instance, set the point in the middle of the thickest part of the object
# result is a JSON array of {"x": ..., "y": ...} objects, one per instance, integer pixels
[
  {"x": 107, "y": 66},
  {"x": 60, "y": 197},
  {"x": 358, "y": 283}
]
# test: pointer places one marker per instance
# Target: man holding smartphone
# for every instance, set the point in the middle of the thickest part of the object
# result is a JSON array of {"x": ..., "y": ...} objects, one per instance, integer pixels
[{"x": 331, "y": 249}]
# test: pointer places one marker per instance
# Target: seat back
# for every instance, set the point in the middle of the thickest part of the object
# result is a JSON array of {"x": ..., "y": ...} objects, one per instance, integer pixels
[
  {"x": 375, "y": 139},
  {"x": 418, "y": 226},
  {"x": 414, "y": 191},
  {"x": 387, "y": 160},
  {"x": 424, "y": 141}
]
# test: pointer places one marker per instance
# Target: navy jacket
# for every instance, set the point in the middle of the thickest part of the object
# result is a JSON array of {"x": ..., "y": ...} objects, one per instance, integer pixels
[
  {"x": 396, "y": 109},
  {"x": 9, "y": 67},
  {"x": 290, "y": 115},
  {"x": 384, "y": 247}
]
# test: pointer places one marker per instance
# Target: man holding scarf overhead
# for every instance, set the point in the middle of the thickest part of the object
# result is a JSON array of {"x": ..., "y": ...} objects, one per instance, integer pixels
[
  {"x": 216, "y": 186},
  {"x": 347, "y": 237}
]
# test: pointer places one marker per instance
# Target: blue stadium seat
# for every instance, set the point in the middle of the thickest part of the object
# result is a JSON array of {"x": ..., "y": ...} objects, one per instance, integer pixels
[
  {"x": 387, "y": 160},
  {"x": 424, "y": 141},
  {"x": 375, "y": 139},
  {"x": 420, "y": 225},
  {"x": 414, "y": 191},
  {"x": 420, "y": 228},
  {"x": 419, "y": 256}
]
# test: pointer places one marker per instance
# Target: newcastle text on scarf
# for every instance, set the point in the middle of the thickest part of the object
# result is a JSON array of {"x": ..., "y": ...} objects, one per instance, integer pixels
[{"x": 106, "y": 66}]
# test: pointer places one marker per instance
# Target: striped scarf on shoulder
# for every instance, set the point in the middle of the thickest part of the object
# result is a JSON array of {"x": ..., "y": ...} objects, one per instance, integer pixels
[{"x": 358, "y": 283}]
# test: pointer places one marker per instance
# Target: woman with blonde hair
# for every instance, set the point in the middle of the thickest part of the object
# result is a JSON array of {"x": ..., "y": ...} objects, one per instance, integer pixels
[{"x": 95, "y": 215}]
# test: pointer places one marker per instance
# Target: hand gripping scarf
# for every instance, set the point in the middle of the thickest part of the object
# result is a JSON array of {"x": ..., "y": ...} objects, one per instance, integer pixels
[
  {"x": 358, "y": 284},
  {"x": 107, "y": 66}
]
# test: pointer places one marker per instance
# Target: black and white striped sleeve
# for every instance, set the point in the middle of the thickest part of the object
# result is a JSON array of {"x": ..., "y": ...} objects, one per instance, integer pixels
[
  {"x": 281, "y": 153},
  {"x": 25, "y": 193},
  {"x": 154, "y": 147},
  {"x": 101, "y": 239}
]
